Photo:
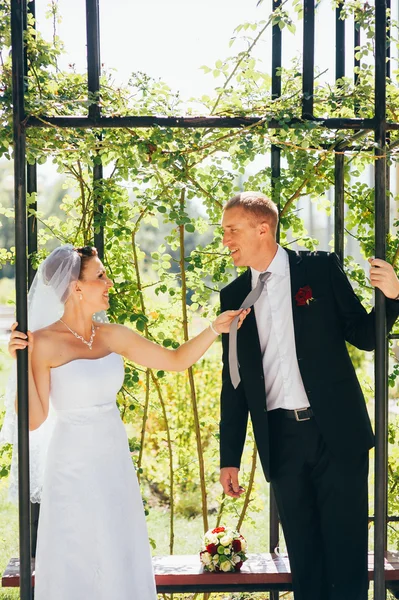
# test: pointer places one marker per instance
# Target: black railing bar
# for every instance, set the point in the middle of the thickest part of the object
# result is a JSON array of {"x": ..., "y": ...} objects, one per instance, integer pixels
[
  {"x": 393, "y": 336},
  {"x": 274, "y": 530},
  {"x": 339, "y": 182},
  {"x": 93, "y": 55},
  {"x": 93, "y": 84},
  {"x": 381, "y": 352},
  {"x": 308, "y": 58},
  {"x": 81, "y": 122},
  {"x": 339, "y": 205},
  {"x": 388, "y": 136},
  {"x": 339, "y": 43},
  {"x": 275, "y": 158},
  {"x": 356, "y": 46},
  {"x": 18, "y": 18},
  {"x": 31, "y": 182},
  {"x": 276, "y": 55},
  {"x": 388, "y": 39},
  {"x": 356, "y": 61}
]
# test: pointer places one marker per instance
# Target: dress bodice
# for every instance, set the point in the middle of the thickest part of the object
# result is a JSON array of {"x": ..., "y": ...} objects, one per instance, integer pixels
[
  {"x": 86, "y": 383},
  {"x": 92, "y": 537}
]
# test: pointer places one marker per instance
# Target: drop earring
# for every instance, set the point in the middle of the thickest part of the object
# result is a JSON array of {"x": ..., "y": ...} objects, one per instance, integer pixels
[{"x": 80, "y": 297}]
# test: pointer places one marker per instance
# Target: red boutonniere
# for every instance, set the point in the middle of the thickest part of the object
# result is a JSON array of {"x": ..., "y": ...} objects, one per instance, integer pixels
[{"x": 304, "y": 296}]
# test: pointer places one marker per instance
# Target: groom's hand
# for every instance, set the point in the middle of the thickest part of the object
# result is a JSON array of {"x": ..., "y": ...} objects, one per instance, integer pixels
[
  {"x": 229, "y": 481},
  {"x": 383, "y": 276}
]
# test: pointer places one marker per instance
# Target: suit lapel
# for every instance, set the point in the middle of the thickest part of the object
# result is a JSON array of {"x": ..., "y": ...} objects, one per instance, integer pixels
[{"x": 297, "y": 275}]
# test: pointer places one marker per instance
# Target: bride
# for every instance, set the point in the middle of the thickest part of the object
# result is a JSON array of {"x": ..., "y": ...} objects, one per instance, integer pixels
[{"x": 92, "y": 537}]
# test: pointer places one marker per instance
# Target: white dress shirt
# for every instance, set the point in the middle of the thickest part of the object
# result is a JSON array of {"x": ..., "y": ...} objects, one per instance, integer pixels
[{"x": 273, "y": 313}]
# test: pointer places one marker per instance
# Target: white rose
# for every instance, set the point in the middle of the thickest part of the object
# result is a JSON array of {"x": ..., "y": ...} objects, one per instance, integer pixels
[
  {"x": 211, "y": 538},
  {"x": 225, "y": 566},
  {"x": 226, "y": 540},
  {"x": 236, "y": 559},
  {"x": 243, "y": 544},
  {"x": 206, "y": 558},
  {"x": 215, "y": 558}
]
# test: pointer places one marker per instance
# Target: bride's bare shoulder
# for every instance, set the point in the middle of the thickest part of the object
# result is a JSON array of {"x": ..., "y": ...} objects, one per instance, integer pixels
[
  {"x": 47, "y": 339},
  {"x": 47, "y": 332}
]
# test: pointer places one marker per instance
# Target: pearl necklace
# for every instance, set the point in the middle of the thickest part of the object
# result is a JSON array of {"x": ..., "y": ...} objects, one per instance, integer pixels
[{"x": 80, "y": 337}]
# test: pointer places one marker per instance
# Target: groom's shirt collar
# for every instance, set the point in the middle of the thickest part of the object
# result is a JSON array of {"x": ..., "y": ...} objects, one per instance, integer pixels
[{"x": 279, "y": 266}]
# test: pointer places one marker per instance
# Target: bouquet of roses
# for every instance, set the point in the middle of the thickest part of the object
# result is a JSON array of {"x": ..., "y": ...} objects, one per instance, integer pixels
[{"x": 223, "y": 549}]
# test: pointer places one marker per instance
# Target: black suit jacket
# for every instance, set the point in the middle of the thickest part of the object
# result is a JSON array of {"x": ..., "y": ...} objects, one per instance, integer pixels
[{"x": 321, "y": 329}]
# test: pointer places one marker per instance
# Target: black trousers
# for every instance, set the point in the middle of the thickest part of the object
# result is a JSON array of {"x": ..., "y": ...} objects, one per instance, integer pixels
[{"x": 323, "y": 507}]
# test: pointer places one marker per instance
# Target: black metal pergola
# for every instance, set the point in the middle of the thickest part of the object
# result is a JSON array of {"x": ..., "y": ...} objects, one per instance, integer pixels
[{"x": 26, "y": 228}]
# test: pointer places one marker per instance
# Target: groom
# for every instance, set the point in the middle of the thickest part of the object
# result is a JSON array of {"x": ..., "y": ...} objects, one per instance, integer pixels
[{"x": 296, "y": 380}]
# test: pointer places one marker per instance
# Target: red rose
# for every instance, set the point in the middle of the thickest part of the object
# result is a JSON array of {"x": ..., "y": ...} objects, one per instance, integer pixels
[
  {"x": 212, "y": 549},
  {"x": 238, "y": 566},
  {"x": 236, "y": 545},
  {"x": 304, "y": 295},
  {"x": 218, "y": 529}
]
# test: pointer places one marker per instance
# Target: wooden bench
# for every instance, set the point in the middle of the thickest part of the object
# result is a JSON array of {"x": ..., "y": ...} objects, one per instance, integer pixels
[{"x": 260, "y": 573}]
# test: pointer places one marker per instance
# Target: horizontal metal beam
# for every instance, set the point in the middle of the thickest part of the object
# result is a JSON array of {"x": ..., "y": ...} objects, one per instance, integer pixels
[{"x": 196, "y": 122}]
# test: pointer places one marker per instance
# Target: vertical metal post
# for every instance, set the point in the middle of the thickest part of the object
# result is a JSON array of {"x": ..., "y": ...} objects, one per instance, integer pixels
[
  {"x": 308, "y": 58},
  {"x": 31, "y": 181},
  {"x": 93, "y": 83},
  {"x": 18, "y": 18},
  {"x": 388, "y": 134},
  {"x": 356, "y": 61},
  {"x": 339, "y": 182},
  {"x": 275, "y": 184},
  {"x": 381, "y": 353}
]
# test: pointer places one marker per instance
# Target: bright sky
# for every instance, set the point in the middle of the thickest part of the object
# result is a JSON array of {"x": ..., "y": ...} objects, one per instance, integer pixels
[{"x": 171, "y": 39}]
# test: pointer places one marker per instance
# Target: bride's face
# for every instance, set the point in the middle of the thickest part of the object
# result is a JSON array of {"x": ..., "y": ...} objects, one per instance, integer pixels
[{"x": 95, "y": 285}]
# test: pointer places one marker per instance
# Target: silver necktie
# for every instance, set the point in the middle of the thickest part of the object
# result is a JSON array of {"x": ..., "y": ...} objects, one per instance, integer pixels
[{"x": 248, "y": 301}]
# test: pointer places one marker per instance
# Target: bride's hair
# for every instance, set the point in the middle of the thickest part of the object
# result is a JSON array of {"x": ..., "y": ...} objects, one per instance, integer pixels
[{"x": 85, "y": 253}]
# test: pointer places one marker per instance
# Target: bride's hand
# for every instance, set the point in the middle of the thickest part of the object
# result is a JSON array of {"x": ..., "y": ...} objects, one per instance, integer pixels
[
  {"x": 19, "y": 341},
  {"x": 222, "y": 323}
]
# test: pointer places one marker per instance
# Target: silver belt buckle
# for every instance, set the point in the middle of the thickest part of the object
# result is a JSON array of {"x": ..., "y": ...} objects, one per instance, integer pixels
[{"x": 299, "y": 410}]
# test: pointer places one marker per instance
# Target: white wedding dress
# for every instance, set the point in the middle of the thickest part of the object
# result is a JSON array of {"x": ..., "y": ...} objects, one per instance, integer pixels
[{"x": 92, "y": 537}]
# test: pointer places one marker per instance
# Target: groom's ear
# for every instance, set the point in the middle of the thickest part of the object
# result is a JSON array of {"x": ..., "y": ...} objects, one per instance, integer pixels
[{"x": 264, "y": 227}]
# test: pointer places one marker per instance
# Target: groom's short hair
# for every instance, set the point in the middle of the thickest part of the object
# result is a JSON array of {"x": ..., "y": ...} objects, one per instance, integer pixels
[{"x": 259, "y": 205}]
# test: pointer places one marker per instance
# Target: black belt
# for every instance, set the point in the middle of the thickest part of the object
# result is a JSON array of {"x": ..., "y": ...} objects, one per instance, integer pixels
[{"x": 300, "y": 414}]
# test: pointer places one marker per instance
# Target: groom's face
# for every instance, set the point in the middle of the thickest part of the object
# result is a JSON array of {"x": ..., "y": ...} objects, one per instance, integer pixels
[{"x": 243, "y": 236}]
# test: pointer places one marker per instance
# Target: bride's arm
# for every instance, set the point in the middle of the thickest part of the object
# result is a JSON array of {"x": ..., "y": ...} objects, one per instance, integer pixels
[
  {"x": 38, "y": 372},
  {"x": 148, "y": 354}
]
